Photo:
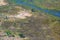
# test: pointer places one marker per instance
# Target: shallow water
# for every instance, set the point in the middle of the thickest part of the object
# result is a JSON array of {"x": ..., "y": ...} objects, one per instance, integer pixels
[{"x": 26, "y": 3}]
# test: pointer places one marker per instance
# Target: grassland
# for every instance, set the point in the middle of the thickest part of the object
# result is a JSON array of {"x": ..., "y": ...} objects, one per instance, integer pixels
[{"x": 40, "y": 26}]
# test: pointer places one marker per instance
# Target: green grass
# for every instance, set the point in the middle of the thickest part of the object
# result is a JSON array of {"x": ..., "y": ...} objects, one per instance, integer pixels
[{"x": 53, "y": 4}]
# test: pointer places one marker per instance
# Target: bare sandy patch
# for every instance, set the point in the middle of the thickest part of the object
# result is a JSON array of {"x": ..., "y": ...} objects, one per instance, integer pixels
[
  {"x": 2, "y": 2},
  {"x": 21, "y": 15}
]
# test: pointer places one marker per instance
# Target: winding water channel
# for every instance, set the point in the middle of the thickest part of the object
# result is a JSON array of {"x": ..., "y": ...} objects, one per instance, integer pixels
[{"x": 52, "y": 12}]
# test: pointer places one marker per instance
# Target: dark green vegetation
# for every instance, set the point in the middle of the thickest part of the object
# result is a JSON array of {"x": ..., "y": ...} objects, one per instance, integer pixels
[
  {"x": 9, "y": 33},
  {"x": 21, "y": 35}
]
